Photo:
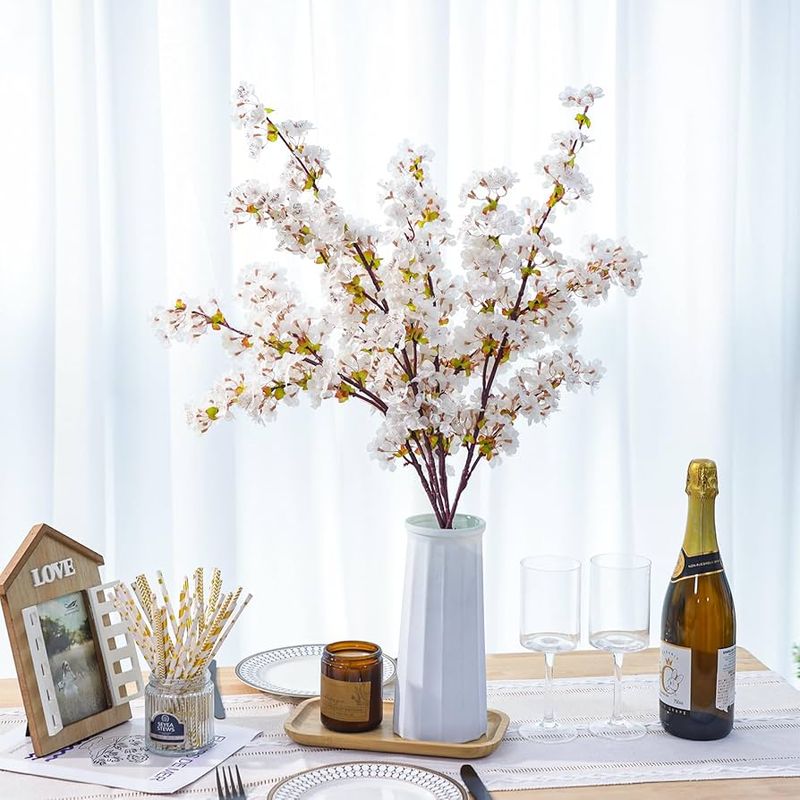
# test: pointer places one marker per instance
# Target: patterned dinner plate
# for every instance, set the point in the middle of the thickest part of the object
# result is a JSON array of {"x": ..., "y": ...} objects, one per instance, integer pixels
[
  {"x": 368, "y": 780},
  {"x": 292, "y": 671}
]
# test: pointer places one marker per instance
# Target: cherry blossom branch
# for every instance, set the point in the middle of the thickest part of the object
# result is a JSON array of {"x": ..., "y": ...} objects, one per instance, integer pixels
[
  {"x": 469, "y": 468},
  {"x": 312, "y": 177}
]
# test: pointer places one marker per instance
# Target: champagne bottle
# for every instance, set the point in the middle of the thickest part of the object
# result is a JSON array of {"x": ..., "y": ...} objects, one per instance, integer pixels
[{"x": 698, "y": 624}]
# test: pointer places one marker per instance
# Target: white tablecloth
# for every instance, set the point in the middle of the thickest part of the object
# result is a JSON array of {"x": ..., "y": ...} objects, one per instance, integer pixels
[{"x": 765, "y": 742}]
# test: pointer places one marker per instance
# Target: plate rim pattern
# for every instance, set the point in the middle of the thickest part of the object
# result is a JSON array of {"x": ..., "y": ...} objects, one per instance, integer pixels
[
  {"x": 302, "y": 650},
  {"x": 273, "y": 795}
]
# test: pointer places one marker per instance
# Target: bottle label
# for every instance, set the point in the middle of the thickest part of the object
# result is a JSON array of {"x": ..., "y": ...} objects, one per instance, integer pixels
[
  {"x": 167, "y": 728},
  {"x": 691, "y": 566},
  {"x": 726, "y": 677},
  {"x": 345, "y": 701},
  {"x": 675, "y": 676}
]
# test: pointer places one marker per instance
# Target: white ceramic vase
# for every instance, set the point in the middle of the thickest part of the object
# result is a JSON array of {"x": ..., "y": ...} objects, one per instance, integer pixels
[{"x": 440, "y": 692}]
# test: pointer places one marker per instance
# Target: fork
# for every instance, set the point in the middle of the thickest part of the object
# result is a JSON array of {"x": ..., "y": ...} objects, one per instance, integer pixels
[{"x": 227, "y": 789}]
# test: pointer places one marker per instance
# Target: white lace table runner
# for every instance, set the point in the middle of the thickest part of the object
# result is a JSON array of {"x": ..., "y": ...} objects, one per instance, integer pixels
[{"x": 765, "y": 742}]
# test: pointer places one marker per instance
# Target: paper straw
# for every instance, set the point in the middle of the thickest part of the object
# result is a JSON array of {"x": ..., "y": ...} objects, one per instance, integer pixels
[
  {"x": 216, "y": 588},
  {"x": 160, "y": 627},
  {"x": 183, "y": 610},
  {"x": 144, "y": 595},
  {"x": 212, "y": 632},
  {"x": 228, "y": 628},
  {"x": 199, "y": 597},
  {"x": 167, "y": 602}
]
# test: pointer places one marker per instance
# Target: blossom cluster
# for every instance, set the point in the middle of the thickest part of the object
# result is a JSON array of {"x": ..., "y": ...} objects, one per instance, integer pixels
[{"x": 449, "y": 360}]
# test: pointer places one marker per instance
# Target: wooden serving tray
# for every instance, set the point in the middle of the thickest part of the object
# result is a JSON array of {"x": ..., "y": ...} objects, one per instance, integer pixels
[{"x": 305, "y": 727}]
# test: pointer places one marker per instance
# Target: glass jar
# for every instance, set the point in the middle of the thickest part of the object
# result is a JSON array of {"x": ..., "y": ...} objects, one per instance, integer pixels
[
  {"x": 179, "y": 715},
  {"x": 351, "y": 689}
]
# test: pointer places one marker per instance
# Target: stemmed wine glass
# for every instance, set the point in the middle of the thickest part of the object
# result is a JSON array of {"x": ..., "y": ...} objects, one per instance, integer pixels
[
  {"x": 550, "y": 623},
  {"x": 619, "y": 623}
]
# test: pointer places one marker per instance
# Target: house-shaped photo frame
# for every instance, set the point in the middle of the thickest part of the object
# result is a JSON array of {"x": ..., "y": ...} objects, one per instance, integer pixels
[{"x": 76, "y": 662}]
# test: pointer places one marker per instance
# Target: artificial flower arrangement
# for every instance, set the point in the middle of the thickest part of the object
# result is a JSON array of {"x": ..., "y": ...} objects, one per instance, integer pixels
[{"x": 449, "y": 361}]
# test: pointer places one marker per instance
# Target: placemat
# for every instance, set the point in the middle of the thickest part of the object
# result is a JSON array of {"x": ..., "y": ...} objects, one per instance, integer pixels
[{"x": 765, "y": 742}]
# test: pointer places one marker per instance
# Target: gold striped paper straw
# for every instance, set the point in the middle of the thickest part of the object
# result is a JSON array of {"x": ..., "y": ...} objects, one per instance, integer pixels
[
  {"x": 188, "y": 647},
  {"x": 167, "y": 602},
  {"x": 211, "y": 634},
  {"x": 213, "y": 620},
  {"x": 230, "y": 625},
  {"x": 216, "y": 588},
  {"x": 144, "y": 594},
  {"x": 160, "y": 627},
  {"x": 218, "y": 631},
  {"x": 199, "y": 594},
  {"x": 183, "y": 610}
]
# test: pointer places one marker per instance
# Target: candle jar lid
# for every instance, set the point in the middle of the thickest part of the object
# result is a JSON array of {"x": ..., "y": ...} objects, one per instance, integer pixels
[{"x": 351, "y": 653}]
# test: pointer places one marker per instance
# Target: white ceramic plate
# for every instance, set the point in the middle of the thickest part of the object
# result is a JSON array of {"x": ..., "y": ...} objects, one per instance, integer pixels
[
  {"x": 292, "y": 671},
  {"x": 368, "y": 780}
]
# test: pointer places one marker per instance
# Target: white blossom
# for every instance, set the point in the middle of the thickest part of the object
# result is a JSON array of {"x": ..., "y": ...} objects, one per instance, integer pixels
[{"x": 580, "y": 98}]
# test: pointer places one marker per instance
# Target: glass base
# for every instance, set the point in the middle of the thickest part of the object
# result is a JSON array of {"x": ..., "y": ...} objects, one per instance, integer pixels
[
  {"x": 619, "y": 729},
  {"x": 547, "y": 732},
  {"x": 173, "y": 751}
]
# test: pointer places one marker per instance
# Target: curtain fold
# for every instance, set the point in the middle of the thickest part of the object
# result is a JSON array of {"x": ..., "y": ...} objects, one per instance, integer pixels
[{"x": 116, "y": 153}]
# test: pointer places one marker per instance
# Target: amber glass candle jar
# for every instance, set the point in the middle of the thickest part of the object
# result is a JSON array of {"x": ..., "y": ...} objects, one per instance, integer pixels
[{"x": 351, "y": 690}]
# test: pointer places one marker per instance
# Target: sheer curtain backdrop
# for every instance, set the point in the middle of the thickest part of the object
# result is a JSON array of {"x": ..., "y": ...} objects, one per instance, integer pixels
[{"x": 116, "y": 154}]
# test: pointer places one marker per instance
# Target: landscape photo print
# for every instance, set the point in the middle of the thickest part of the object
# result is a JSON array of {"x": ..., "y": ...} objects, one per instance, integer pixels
[{"x": 71, "y": 653}]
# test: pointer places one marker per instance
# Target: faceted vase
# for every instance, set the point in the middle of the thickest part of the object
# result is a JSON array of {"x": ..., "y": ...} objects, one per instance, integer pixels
[{"x": 440, "y": 692}]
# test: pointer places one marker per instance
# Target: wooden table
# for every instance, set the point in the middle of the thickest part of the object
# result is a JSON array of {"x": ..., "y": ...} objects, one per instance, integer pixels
[{"x": 581, "y": 663}]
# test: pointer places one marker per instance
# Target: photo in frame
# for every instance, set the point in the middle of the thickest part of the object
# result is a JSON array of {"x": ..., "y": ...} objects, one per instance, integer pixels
[{"x": 72, "y": 656}]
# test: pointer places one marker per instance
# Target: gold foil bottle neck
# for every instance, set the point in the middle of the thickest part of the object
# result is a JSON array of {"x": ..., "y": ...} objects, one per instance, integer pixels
[{"x": 701, "y": 478}]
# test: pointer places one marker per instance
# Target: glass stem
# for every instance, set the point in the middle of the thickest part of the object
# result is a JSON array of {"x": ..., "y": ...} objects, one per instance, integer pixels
[
  {"x": 549, "y": 719},
  {"x": 616, "y": 715}
]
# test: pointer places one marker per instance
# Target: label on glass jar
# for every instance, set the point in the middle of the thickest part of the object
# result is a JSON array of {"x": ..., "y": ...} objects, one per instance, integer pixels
[
  {"x": 167, "y": 728},
  {"x": 726, "y": 677},
  {"x": 346, "y": 701},
  {"x": 675, "y": 676}
]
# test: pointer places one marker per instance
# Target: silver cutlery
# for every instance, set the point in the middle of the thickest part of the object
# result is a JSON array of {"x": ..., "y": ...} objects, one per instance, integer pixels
[
  {"x": 219, "y": 708},
  {"x": 475, "y": 785},
  {"x": 227, "y": 789}
]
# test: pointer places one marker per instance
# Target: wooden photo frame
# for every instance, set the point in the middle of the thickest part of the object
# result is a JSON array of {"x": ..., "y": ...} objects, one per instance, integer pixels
[{"x": 76, "y": 662}]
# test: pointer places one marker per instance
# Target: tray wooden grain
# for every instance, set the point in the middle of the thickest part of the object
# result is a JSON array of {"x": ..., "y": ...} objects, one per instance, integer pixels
[{"x": 304, "y": 727}]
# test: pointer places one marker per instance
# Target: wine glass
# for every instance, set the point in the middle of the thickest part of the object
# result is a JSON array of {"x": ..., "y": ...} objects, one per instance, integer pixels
[
  {"x": 550, "y": 623},
  {"x": 619, "y": 623}
]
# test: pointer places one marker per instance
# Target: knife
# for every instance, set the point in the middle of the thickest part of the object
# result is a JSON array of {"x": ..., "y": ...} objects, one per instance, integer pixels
[
  {"x": 474, "y": 783},
  {"x": 219, "y": 709}
]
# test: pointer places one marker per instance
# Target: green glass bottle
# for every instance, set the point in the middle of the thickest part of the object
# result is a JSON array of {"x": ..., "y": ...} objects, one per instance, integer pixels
[{"x": 698, "y": 624}]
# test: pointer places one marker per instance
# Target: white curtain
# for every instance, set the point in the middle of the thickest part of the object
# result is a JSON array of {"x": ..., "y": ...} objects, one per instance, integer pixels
[{"x": 116, "y": 153}]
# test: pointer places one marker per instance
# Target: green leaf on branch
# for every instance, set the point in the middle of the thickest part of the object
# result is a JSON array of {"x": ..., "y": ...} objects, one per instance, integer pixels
[
  {"x": 283, "y": 347},
  {"x": 557, "y": 194},
  {"x": 428, "y": 215},
  {"x": 344, "y": 391},
  {"x": 582, "y": 119}
]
